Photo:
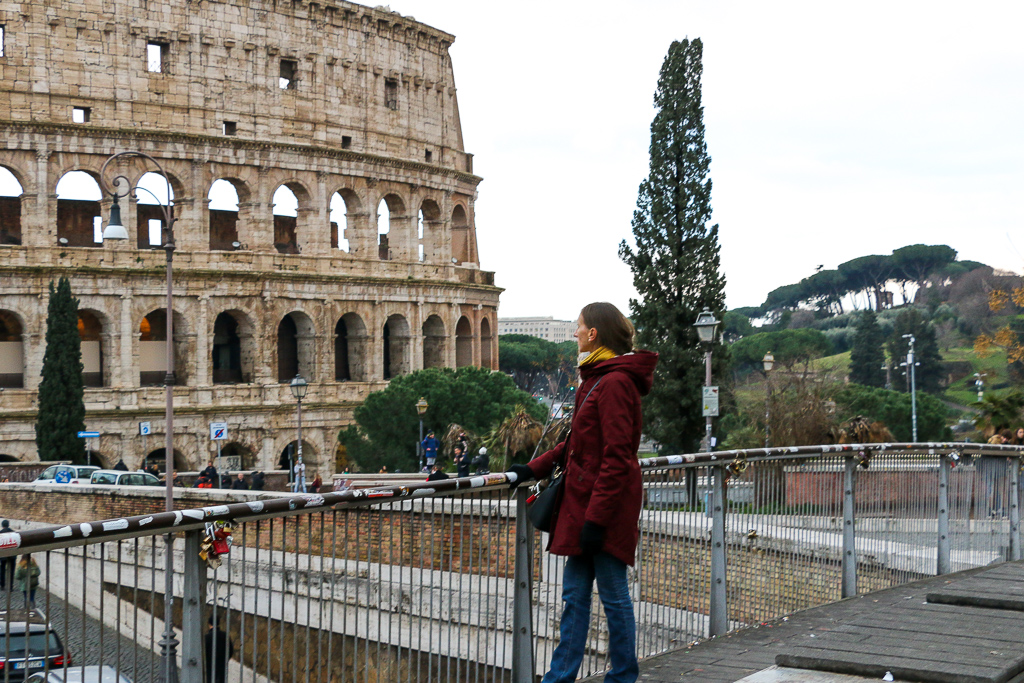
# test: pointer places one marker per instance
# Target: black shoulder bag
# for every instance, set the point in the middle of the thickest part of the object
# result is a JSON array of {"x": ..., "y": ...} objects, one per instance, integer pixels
[{"x": 541, "y": 508}]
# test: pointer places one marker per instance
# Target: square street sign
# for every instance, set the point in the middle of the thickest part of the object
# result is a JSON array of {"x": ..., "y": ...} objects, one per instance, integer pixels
[
  {"x": 709, "y": 400},
  {"x": 145, "y": 429},
  {"x": 218, "y": 431}
]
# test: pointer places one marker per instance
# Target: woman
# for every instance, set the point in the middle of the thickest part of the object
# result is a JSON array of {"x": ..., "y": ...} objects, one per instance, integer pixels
[
  {"x": 27, "y": 576},
  {"x": 596, "y": 517},
  {"x": 1018, "y": 438},
  {"x": 317, "y": 483}
]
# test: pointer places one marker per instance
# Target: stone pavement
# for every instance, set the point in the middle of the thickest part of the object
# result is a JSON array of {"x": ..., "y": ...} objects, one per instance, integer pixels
[{"x": 958, "y": 628}]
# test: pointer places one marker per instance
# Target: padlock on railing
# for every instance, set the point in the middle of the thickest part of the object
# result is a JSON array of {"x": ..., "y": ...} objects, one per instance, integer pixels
[{"x": 216, "y": 543}]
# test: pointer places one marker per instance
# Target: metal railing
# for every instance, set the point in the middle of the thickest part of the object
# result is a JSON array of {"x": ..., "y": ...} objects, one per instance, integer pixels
[{"x": 446, "y": 581}]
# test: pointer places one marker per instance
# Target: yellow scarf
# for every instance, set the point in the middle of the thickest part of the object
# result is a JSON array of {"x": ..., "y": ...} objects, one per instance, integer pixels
[{"x": 597, "y": 355}]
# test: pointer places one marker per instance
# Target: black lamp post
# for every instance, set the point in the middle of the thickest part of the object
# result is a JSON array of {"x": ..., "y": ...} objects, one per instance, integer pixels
[
  {"x": 768, "y": 362},
  {"x": 299, "y": 387},
  {"x": 706, "y": 328},
  {"x": 115, "y": 230},
  {"x": 421, "y": 410}
]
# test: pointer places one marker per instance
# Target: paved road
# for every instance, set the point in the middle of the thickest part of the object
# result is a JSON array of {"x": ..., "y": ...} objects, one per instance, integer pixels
[{"x": 85, "y": 643}]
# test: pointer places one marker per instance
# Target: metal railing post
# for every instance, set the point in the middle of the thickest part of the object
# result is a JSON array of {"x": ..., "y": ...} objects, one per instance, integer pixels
[
  {"x": 849, "y": 530},
  {"x": 942, "y": 564},
  {"x": 193, "y": 621},
  {"x": 1014, "y": 466},
  {"x": 719, "y": 609},
  {"x": 522, "y": 622}
]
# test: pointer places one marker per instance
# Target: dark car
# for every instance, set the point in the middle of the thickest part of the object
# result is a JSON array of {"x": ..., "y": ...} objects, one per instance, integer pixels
[{"x": 28, "y": 644}]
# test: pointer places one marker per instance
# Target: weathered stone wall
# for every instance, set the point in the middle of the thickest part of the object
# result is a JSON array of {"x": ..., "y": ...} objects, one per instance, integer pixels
[{"x": 372, "y": 116}]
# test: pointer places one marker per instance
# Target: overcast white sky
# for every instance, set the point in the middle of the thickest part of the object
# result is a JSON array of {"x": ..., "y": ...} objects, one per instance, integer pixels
[{"x": 835, "y": 130}]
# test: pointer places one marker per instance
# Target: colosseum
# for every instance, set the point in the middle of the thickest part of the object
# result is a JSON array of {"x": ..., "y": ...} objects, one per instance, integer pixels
[{"x": 324, "y": 217}]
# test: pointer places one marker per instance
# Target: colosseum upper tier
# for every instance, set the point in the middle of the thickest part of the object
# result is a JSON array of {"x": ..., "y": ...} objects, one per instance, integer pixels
[{"x": 323, "y": 204}]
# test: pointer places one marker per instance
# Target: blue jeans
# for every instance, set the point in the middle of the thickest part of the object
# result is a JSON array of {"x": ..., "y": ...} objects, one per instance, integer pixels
[{"x": 577, "y": 588}]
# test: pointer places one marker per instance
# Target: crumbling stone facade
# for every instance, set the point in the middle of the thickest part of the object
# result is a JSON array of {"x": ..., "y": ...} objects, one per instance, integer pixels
[{"x": 333, "y": 101}]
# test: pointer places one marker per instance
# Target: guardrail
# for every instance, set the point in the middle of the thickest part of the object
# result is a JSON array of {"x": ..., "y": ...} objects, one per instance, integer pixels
[{"x": 444, "y": 581}]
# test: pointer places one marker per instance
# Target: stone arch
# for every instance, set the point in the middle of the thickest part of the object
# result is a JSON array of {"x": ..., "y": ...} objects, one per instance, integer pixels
[
  {"x": 79, "y": 213},
  {"x": 157, "y": 457},
  {"x": 12, "y": 351},
  {"x": 233, "y": 348},
  {"x": 11, "y": 191},
  {"x": 429, "y": 231},
  {"x": 246, "y": 455},
  {"x": 289, "y": 456},
  {"x": 296, "y": 342},
  {"x": 397, "y": 346},
  {"x": 343, "y": 207},
  {"x": 94, "y": 339},
  {"x": 151, "y": 195},
  {"x": 225, "y": 197},
  {"x": 4, "y": 457},
  {"x": 351, "y": 342},
  {"x": 461, "y": 251},
  {"x": 153, "y": 345},
  {"x": 290, "y": 200},
  {"x": 387, "y": 239},
  {"x": 433, "y": 342},
  {"x": 463, "y": 342},
  {"x": 486, "y": 342}
]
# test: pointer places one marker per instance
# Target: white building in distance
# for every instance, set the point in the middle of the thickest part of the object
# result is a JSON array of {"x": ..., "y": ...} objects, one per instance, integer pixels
[{"x": 545, "y": 328}]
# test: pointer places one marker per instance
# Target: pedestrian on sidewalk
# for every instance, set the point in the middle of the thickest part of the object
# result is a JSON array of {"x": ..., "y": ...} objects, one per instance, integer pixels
[
  {"x": 461, "y": 459},
  {"x": 27, "y": 576},
  {"x": 436, "y": 474},
  {"x": 218, "y": 650},
  {"x": 430, "y": 446},
  {"x": 6, "y": 563},
  {"x": 598, "y": 509},
  {"x": 259, "y": 480},
  {"x": 482, "y": 462},
  {"x": 239, "y": 483}
]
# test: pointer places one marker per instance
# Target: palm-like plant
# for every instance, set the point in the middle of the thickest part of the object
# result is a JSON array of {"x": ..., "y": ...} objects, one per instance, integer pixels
[{"x": 997, "y": 412}]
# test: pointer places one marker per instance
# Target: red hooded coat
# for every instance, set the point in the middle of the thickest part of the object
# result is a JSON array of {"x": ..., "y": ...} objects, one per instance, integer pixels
[{"x": 602, "y": 473}]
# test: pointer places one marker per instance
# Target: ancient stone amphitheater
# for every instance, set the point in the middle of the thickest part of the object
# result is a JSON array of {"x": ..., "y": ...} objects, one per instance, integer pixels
[{"x": 324, "y": 216}]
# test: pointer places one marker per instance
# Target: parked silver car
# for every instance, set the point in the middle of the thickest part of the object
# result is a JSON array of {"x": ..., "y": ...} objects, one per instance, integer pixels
[
  {"x": 80, "y": 674},
  {"x": 120, "y": 478}
]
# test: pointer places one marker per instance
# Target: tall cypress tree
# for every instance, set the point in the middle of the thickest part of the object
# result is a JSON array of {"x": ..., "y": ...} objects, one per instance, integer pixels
[
  {"x": 676, "y": 260},
  {"x": 61, "y": 394},
  {"x": 867, "y": 357}
]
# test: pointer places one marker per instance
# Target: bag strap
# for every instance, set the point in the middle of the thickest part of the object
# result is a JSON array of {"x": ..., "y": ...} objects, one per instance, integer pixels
[{"x": 577, "y": 412}]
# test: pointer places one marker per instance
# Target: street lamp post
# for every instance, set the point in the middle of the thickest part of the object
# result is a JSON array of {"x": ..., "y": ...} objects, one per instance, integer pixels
[
  {"x": 299, "y": 387},
  {"x": 768, "y": 362},
  {"x": 706, "y": 327},
  {"x": 115, "y": 230},
  {"x": 910, "y": 365},
  {"x": 421, "y": 410}
]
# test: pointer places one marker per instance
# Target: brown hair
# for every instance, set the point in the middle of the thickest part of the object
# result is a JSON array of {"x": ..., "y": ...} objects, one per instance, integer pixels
[{"x": 613, "y": 329}]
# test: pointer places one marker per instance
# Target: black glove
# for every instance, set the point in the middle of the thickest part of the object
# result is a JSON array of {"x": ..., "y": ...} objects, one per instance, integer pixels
[
  {"x": 591, "y": 538},
  {"x": 523, "y": 473}
]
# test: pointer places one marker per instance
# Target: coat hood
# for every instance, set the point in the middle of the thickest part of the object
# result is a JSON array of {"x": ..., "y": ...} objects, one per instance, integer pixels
[{"x": 639, "y": 365}]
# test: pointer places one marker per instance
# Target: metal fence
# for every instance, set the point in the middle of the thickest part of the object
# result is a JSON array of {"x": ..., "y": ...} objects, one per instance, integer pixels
[{"x": 445, "y": 581}]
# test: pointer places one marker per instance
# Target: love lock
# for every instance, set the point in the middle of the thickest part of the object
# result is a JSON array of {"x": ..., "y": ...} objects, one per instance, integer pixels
[{"x": 215, "y": 544}]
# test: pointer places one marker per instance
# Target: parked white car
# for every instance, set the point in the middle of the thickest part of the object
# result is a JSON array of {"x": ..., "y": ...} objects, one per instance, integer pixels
[
  {"x": 80, "y": 674},
  {"x": 66, "y": 474},
  {"x": 121, "y": 478}
]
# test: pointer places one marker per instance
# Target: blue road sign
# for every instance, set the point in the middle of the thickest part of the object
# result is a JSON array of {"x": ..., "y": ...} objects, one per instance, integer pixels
[{"x": 88, "y": 435}]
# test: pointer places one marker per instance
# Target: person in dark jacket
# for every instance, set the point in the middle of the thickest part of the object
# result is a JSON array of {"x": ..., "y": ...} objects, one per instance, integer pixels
[
  {"x": 259, "y": 480},
  {"x": 239, "y": 483},
  {"x": 217, "y": 650},
  {"x": 430, "y": 446},
  {"x": 436, "y": 474},
  {"x": 120, "y": 466},
  {"x": 6, "y": 563},
  {"x": 461, "y": 459},
  {"x": 597, "y": 514}
]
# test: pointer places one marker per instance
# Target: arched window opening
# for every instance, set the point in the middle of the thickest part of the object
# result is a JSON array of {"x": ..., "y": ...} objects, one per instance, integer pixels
[
  {"x": 433, "y": 342},
  {"x": 10, "y": 208},
  {"x": 350, "y": 344},
  {"x": 153, "y": 349},
  {"x": 383, "y": 231},
  {"x": 397, "y": 344},
  {"x": 485, "y": 344},
  {"x": 460, "y": 235},
  {"x": 429, "y": 230},
  {"x": 153, "y": 196},
  {"x": 223, "y": 215},
  {"x": 90, "y": 331},
  {"x": 159, "y": 459},
  {"x": 463, "y": 343},
  {"x": 295, "y": 352},
  {"x": 339, "y": 222},
  {"x": 232, "y": 352},
  {"x": 79, "y": 222},
  {"x": 12, "y": 356},
  {"x": 286, "y": 212}
]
